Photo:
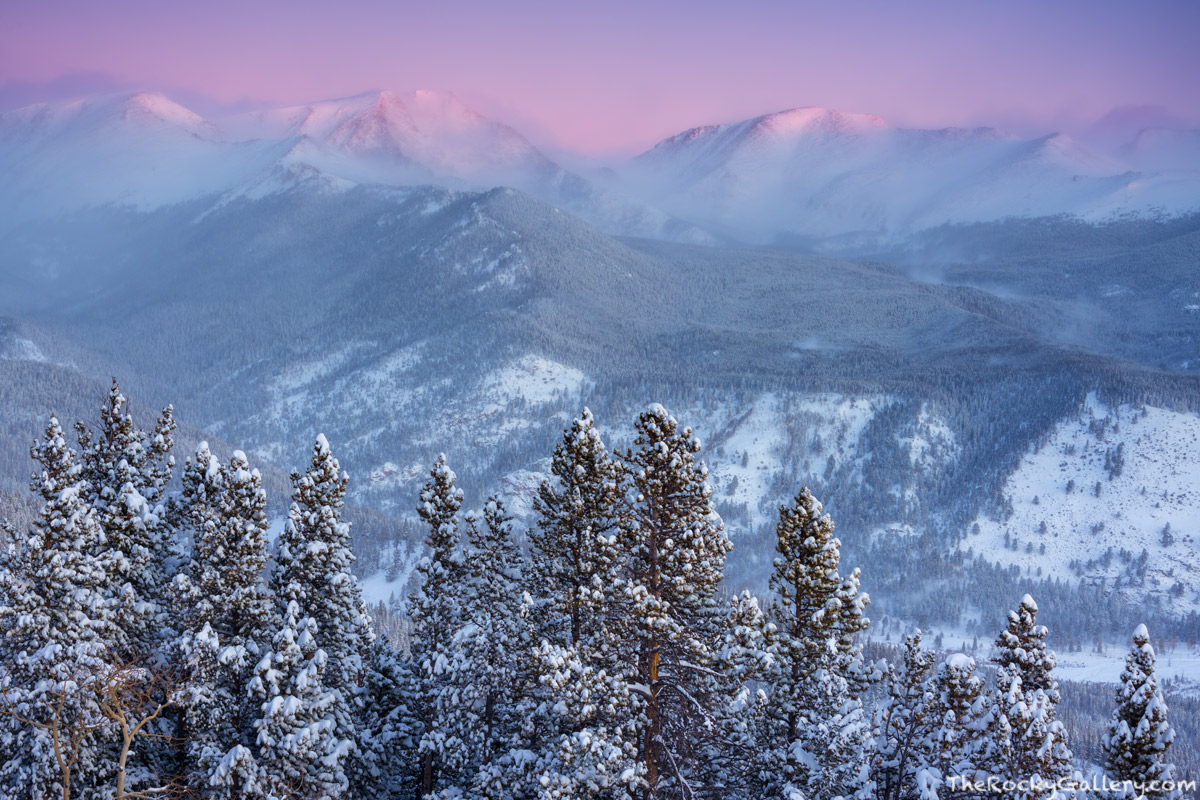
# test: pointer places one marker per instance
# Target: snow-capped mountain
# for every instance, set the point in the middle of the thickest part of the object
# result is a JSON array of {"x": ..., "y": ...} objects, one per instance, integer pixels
[
  {"x": 809, "y": 175},
  {"x": 815, "y": 173},
  {"x": 145, "y": 151},
  {"x": 141, "y": 150},
  {"x": 427, "y": 131}
]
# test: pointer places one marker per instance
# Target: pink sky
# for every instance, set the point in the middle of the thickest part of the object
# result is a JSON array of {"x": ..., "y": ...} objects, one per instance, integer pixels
[{"x": 617, "y": 76}]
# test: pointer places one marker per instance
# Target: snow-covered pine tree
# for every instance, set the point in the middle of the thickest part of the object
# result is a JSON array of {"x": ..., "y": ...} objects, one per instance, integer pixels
[
  {"x": 1139, "y": 736},
  {"x": 575, "y": 585},
  {"x": 960, "y": 713},
  {"x": 1030, "y": 741},
  {"x": 227, "y": 621},
  {"x": 822, "y": 732},
  {"x": 437, "y": 614},
  {"x": 744, "y": 661},
  {"x": 390, "y": 726},
  {"x": 576, "y": 552},
  {"x": 125, "y": 471},
  {"x": 54, "y": 622},
  {"x": 906, "y": 724},
  {"x": 489, "y": 642},
  {"x": 300, "y": 754},
  {"x": 677, "y": 558},
  {"x": 592, "y": 752},
  {"x": 312, "y": 569}
]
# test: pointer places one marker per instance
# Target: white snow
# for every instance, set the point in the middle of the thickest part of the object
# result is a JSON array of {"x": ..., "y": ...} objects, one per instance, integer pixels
[
  {"x": 747, "y": 445},
  {"x": 534, "y": 379},
  {"x": 20, "y": 349},
  {"x": 1181, "y": 666},
  {"x": 1158, "y": 485}
]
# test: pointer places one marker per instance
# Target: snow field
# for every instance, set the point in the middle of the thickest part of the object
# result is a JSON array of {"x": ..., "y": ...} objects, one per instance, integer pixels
[{"x": 1158, "y": 485}]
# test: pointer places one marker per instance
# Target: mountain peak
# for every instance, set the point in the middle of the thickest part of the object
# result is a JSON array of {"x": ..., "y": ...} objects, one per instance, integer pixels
[
  {"x": 146, "y": 106},
  {"x": 816, "y": 119}
]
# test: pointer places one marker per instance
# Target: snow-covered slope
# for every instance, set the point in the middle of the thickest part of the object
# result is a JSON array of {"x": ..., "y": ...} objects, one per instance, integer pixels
[
  {"x": 817, "y": 173},
  {"x": 1097, "y": 495}
]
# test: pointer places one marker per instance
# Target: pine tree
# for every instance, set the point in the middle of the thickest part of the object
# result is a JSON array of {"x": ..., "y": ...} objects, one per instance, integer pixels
[
  {"x": 1031, "y": 742},
  {"x": 577, "y": 553},
  {"x": 1139, "y": 736},
  {"x": 312, "y": 569},
  {"x": 677, "y": 558},
  {"x": 593, "y": 750},
  {"x": 301, "y": 755},
  {"x": 959, "y": 713},
  {"x": 575, "y": 584},
  {"x": 489, "y": 642},
  {"x": 228, "y": 620},
  {"x": 125, "y": 471},
  {"x": 55, "y": 620},
  {"x": 744, "y": 662},
  {"x": 390, "y": 726},
  {"x": 437, "y": 616},
  {"x": 822, "y": 732},
  {"x": 906, "y": 724}
]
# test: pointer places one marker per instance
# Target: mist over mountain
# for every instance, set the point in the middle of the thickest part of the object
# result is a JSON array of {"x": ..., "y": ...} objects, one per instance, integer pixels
[{"x": 811, "y": 177}]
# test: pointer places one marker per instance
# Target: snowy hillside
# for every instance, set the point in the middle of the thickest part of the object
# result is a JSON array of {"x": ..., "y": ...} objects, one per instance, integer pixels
[
  {"x": 816, "y": 173},
  {"x": 1093, "y": 502}
]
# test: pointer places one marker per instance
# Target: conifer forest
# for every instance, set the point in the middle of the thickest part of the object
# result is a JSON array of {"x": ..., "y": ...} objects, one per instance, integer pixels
[{"x": 159, "y": 639}]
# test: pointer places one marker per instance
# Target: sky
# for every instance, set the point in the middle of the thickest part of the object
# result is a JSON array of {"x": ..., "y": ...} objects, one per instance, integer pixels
[{"x": 616, "y": 76}]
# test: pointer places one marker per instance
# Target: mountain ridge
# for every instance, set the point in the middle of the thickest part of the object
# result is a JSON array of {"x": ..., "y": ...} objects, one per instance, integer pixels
[{"x": 811, "y": 174}]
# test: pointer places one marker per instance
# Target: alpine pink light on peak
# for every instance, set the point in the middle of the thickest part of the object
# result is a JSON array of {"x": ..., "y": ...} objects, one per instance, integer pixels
[
  {"x": 141, "y": 111},
  {"x": 157, "y": 107},
  {"x": 444, "y": 110},
  {"x": 816, "y": 120},
  {"x": 382, "y": 127},
  {"x": 820, "y": 173}
]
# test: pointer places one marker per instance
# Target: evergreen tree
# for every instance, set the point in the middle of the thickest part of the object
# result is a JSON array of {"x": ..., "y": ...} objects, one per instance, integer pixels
[
  {"x": 312, "y": 569},
  {"x": 228, "y": 618},
  {"x": 744, "y": 661},
  {"x": 390, "y": 727},
  {"x": 576, "y": 540},
  {"x": 593, "y": 750},
  {"x": 578, "y": 609},
  {"x": 1030, "y": 741},
  {"x": 301, "y": 755},
  {"x": 489, "y": 642},
  {"x": 125, "y": 471},
  {"x": 55, "y": 621},
  {"x": 906, "y": 724},
  {"x": 1139, "y": 736},
  {"x": 437, "y": 615},
  {"x": 822, "y": 733},
  {"x": 677, "y": 558},
  {"x": 958, "y": 746}
]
